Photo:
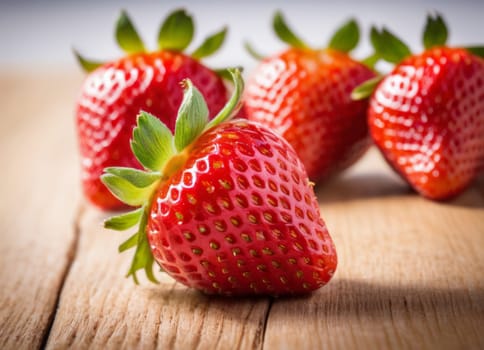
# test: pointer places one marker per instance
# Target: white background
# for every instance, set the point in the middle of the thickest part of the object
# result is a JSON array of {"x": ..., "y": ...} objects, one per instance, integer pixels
[{"x": 41, "y": 33}]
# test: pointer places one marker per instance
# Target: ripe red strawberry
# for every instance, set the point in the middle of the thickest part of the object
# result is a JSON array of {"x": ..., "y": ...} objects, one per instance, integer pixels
[
  {"x": 305, "y": 95},
  {"x": 427, "y": 115},
  {"x": 114, "y": 92},
  {"x": 226, "y": 207}
]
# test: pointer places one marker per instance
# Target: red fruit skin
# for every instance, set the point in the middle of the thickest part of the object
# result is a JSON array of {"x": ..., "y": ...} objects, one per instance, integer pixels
[
  {"x": 240, "y": 217},
  {"x": 304, "y": 95},
  {"x": 113, "y": 95},
  {"x": 427, "y": 118}
]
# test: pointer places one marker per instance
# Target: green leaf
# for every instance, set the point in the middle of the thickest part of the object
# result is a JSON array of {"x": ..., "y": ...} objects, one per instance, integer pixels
[
  {"x": 126, "y": 35},
  {"x": 124, "y": 221},
  {"x": 86, "y": 64},
  {"x": 346, "y": 37},
  {"x": 252, "y": 52},
  {"x": 476, "y": 50},
  {"x": 388, "y": 46},
  {"x": 365, "y": 89},
  {"x": 224, "y": 73},
  {"x": 435, "y": 33},
  {"x": 137, "y": 178},
  {"x": 176, "y": 32},
  {"x": 285, "y": 33},
  {"x": 192, "y": 116},
  {"x": 143, "y": 258},
  {"x": 233, "y": 104},
  {"x": 152, "y": 142},
  {"x": 210, "y": 45},
  {"x": 129, "y": 243},
  {"x": 125, "y": 191},
  {"x": 371, "y": 60}
]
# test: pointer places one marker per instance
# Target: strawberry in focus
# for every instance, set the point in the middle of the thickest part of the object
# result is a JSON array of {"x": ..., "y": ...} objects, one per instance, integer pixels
[
  {"x": 113, "y": 93},
  {"x": 226, "y": 206},
  {"x": 304, "y": 94},
  {"x": 427, "y": 115}
]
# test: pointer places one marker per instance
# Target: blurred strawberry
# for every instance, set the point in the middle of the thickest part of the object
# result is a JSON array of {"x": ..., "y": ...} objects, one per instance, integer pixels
[
  {"x": 427, "y": 115},
  {"x": 114, "y": 92},
  {"x": 226, "y": 207},
  {"x": 304, "y": 95}
]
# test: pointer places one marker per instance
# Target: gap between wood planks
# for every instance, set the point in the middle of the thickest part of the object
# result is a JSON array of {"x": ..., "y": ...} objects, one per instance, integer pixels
[{"x": 71, "y": 256}]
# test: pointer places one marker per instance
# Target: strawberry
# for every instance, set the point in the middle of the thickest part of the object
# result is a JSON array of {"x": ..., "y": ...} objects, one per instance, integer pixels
[
  {"x": 305, "y": 95},
  {"x": 114, "y": 92},
  {"x": 427, "y": 115},
  {"x": 226, "y": 205}
]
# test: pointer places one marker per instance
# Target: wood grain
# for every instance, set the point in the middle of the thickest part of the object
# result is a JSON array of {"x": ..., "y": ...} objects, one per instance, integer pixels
[
  {"x": 410, "y": 274},
  {"x": 99, "y": 308},
  {"x": 38, "y": 200}
]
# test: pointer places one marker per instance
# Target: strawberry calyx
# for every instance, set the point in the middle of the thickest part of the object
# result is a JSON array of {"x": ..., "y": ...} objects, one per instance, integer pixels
[
  {"x": 161, "y": 154},
  {"x": 175, "y": 34},
  {"x": 345, "y": 39},
  {"x": 388, "y": 47}
]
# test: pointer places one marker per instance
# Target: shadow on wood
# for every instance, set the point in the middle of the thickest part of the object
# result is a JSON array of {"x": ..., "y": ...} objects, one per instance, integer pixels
[
  {"x": 357, "y": 314},
  {"x": 377, "y": 185}
]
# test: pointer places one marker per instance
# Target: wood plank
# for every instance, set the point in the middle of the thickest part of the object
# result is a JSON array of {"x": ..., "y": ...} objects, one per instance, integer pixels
[
  {"x": 410, "y": 274},
  {"x": 38, "y": 199},
  {"x": 99, "y": 308}
]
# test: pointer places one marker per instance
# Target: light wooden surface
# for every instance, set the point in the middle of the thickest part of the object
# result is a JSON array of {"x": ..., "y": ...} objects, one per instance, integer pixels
[{"x": 410, "y": 274}]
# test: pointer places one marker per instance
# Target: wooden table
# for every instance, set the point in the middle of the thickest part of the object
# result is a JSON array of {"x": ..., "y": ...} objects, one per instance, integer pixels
[{"x": 411, "y": 271}]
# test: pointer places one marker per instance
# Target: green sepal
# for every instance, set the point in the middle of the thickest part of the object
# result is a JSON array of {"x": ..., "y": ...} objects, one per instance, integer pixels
[
  {"x": 224, "y": 73},
  {"x": 435, "y": 32},
  {"x": 233, "y": 104},
  {"x": 476, "y": 50},
  {"x": 127, "y": 36},
  {"x": 152, "y": 142},
  {"x": 153, "y": 145},
  {"x": 176, "y": 32},
  {"x": 365, "y": 89},
  {"x": 371, "y": 60},
  {"x": 86, "y": 64},
  {"x": 192, "y": 116},
  {"x": 285, "y": 33},
  {"x": 346, "y": 38},
  {"x": 129, "y": 243},
  {"x": 388, "y": 46},
  {"x": 210, "y": 45},
  {"x": 143, "y": 258},
  {"x": 125, "y": 191},
  {"x": 253, "y": 52},
  {"x": 137, "y": 178},
  {"x": 124, "y": 221}
]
